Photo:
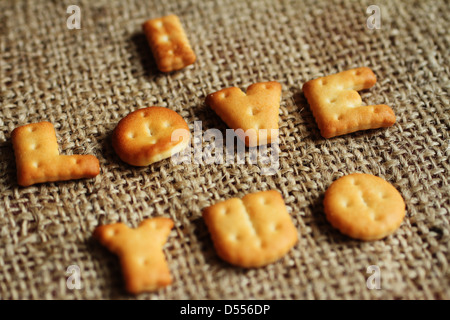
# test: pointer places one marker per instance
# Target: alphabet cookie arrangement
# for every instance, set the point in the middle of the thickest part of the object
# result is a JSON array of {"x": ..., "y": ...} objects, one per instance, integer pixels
[{"x": 250, "y": 232}]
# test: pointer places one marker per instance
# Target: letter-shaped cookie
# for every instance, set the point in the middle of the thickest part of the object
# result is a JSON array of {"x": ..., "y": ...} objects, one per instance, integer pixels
[
  {"x": 364, "y": 206},
  {"x": 169, "y": 43},
  {"x": 254, "y": 112},
  {"x": 149, "y": 135},
  {"x": 253, "y": 231},
  {"x": 140, "y": 252},
  {"x": 38, "y": 159},
  {"x": 337, "y": 106}
]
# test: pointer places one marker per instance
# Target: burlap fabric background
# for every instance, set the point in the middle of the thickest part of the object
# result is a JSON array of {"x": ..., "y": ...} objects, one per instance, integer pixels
[{"x": 84, "y": 81}]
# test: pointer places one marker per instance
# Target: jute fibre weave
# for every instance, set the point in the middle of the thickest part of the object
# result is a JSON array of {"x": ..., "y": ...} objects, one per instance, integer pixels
[{"x": 84, "y": 81}]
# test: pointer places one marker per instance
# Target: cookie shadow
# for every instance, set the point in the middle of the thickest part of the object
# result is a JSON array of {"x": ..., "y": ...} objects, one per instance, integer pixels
[
  {"x": 110, "y": 155},
  {"x": 208, "y": 251},
  {"x": 323, "y": 228},
  {"x": 108, "y": 270},
  {"x": 304, "y": 110},
  {"x": 143, "y": 61},
  {"x": 212, "y": 258},
  {"x": 8, "y": 165},
  {"x": 112, "y": 161},
  {"x": 107, "y": 149},
  {"x": 208, "y": 118},
  {"x": 141, "y": 58}
]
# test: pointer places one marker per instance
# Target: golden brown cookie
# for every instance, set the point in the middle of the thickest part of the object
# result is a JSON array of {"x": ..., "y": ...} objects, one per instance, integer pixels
[
  {"x": 337, "y": 106},
  {"x": 140, "y": 251},
  {"x": 169, "y": 43},
  {"x": 253, "y": 231},
  {"x": 364, "y": 206},
  {"x": 253, "y": 115},
  {"x": 149, "y": 135},
  {"x": 38, "y": 159}
]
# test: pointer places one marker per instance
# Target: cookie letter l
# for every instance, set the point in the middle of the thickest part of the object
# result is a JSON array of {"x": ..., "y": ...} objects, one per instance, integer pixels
[{"x": 38, "y": 159}]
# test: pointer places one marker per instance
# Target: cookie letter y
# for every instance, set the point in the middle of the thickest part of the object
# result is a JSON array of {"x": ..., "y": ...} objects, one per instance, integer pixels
[{"x": 144, "y": 266}]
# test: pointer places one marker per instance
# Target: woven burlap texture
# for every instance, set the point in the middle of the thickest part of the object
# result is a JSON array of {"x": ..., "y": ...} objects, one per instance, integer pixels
[{"x": 84, "y": 81}]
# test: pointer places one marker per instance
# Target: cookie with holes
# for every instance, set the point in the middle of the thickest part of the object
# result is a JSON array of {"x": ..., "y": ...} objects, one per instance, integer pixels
[
  {"x": 364, "y": 206},
  {"x": 149, "y": 135},
  {"x": 253, "y": 231},
  {"x": 169, "y": 43},
  {"x": 337, "y": 106},
  {"x": 38, "y": 159},
  {"x": 252, "y": 114},
  {"x": 140, "y": 251}
]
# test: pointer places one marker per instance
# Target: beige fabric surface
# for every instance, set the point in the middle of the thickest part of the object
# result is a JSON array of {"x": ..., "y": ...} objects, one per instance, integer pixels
[{"x": 84, "y": 81}]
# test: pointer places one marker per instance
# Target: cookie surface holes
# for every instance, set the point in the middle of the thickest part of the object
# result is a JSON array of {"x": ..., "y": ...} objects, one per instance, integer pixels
[
  {"x": 275, "y": 227},
  {"x": 111, "y": 232},
  {"x": 233, "y": 237},
  {"x": 377, "y": 110},
  {"x": 131, "y": 135},
  {"x": 164, "y": 38},
  {"x": 363, "y": 200},
  {"x": 378, "y": 217},
  {"x": 149, "y": 131}
]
